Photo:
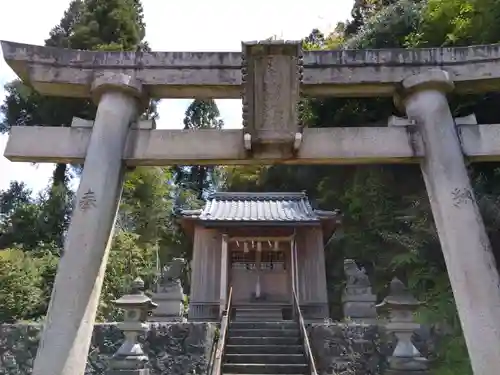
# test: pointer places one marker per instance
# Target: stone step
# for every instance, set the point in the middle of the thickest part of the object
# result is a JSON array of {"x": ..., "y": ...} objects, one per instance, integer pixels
[
  {"x": 264, "y": 349},
  {"x": 266, "y": 358},
  {"x": 253, "y": 368},
  {"x": 258, "y": 308},
  {"x": 258, "y": 318},
  {"x": 233, "y": 340},
  {"x": 252, "y": 312},
  {"x": 267, "y": 332},
  {"x": 262, "y": 306},
  {"x": 263, "y": 325},
  {"x": 253, "y": 319}
]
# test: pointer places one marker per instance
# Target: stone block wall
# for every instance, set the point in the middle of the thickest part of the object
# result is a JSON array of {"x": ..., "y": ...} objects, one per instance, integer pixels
[
  {"x": 358, "y": 349},
  {"x": 184, "y": 348},
  {"x": 173, "y": 349}
]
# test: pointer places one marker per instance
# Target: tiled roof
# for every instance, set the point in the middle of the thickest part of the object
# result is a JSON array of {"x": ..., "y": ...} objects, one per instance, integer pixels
[{"x": 259, "y": 207}]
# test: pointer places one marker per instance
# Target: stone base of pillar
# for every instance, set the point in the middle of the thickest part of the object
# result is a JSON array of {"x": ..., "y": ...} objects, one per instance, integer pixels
[
  {"x": 314, "y": 312},
  {"x": 408, "y": 365},
  {"x": 365, "y": 321},
  {"x": 203, "y": 312},
  {"x": 143, "y": 371},
  {"x": 359, "y": 305}
]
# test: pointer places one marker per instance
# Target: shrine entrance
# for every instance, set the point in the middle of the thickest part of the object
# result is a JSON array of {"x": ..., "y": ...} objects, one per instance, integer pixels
[
  {"x": 270, "y": 77},
  {"x": 260, "y": 272},
  {"x": 263, "y": 246}
]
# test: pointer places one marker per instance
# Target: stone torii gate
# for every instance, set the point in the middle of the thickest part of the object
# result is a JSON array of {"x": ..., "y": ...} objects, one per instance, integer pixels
[{"x": 270, "y": 77}]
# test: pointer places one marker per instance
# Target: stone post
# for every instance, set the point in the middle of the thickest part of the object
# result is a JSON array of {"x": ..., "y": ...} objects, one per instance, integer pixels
[
  {"x": 130, "y": 358},
  {"x": 465, "y": 245},
  {"x": 406, "y": 359},
  {"x": 358, "y": 299},
  {"x": 70, "y": 319}
]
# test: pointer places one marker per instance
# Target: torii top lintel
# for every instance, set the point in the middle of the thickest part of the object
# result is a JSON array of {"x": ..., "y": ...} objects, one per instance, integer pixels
[{"x": 348, "y": 73}]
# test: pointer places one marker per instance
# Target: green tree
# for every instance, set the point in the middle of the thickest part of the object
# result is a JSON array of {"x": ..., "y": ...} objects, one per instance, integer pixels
[
  {"x": 24, "y": 291},
  {"x": 201, "y": 114},
  {"x": 127, "y": 260},
  {"x": 36, "y": 225},
  {"x": 364, "y": 10},
  {"x": 87, "y": 25},
  {"x": 25, "y": 107}
]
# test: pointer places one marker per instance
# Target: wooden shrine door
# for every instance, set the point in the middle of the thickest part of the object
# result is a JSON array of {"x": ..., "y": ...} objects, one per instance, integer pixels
[{"x": 260, "y": 276}]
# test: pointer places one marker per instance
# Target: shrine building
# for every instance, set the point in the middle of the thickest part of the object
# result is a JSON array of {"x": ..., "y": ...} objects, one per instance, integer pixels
[{"x": 262, "y": 246}]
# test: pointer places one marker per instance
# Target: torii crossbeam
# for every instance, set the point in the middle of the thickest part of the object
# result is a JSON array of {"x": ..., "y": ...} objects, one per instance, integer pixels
[
  {"x": 270, "y": 77},
  {"x": 154, "y": 147}
]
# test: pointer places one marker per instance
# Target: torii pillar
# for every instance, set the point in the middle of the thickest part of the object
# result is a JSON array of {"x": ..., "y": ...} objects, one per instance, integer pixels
[
  {"x": 464, "y": 242},
  {"x": 67, "y": 333}
]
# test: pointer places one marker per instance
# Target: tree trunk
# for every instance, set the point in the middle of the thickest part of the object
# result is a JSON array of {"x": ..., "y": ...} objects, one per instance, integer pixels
[{"x": 59, "y": 175}]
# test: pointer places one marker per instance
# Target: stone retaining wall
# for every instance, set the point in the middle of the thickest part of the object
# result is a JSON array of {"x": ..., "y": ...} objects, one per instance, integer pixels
[
  {"x": 358, "y": 349},
  {"x": 184, "y": 348},
  {"x": 173, "y": 349}
]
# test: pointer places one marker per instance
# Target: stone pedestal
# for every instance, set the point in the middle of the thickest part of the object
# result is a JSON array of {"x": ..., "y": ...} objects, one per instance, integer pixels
[
  {"x": 143, "y": 371},
  {"x": 170, "y": 301},
  {"x": 406, "y": 372},
  {"x": 359, "y": 305},
  {"x": 409, "y": 362}
]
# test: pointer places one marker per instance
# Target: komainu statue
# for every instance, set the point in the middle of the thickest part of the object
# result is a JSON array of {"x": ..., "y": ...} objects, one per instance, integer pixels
[
  {"x": 357, "y": 299},
  {"x": 355, "y": 276},
  {"x": 171, "y": 273},
  {"x": 169, "y": 294}
]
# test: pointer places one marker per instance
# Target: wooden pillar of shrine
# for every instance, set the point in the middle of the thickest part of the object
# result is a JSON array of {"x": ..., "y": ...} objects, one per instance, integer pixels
[
  {"x": 311, "y": 277},
  {"x": 205, "y": 280}
]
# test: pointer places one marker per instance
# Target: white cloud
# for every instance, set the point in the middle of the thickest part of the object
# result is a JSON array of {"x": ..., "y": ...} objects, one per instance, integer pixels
[{"x": 190, "y": 25}]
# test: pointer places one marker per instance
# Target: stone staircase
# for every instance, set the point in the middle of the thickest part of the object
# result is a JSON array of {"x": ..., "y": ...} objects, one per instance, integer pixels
[{"x": 264, "y": 347}]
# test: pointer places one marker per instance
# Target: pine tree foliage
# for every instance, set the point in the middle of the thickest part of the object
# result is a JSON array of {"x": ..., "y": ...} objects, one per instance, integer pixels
[
  {"x": 201, "y": 114},
  {"x": 114, "y": 25}
]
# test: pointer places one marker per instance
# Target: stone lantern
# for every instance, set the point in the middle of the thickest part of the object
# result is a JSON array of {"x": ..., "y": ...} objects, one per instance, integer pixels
[
  {"x": 130, "y": 358},
  {"x": 406, "y": 359}
]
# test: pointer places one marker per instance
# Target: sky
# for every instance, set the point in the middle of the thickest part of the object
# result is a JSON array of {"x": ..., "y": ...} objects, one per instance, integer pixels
[{"x": 190, "y": 25}]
